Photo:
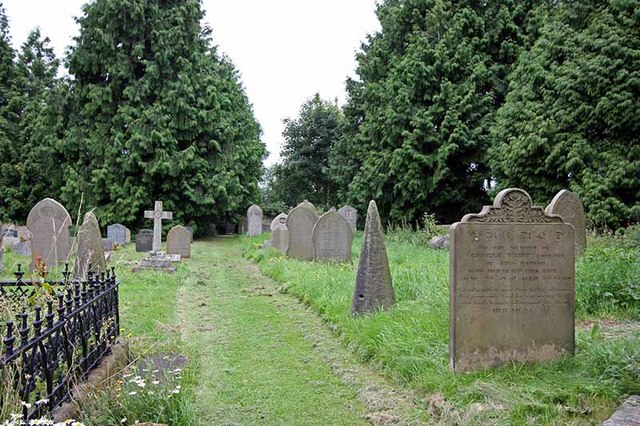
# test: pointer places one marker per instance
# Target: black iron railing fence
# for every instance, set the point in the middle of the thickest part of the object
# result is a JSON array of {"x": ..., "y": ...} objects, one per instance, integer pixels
[{"x": 46, "y": 351}]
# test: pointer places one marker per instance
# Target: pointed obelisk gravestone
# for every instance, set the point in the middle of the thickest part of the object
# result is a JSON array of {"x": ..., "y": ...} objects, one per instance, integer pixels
[
  {"x": 568, "y": 205},
  {"x": 254, "y": 220},
  {"x": 157, "y": 215},
  {"x": 179, "y": 241},
  {"x": 49, "y": 224},
  {"x": 332, "y": 238},
  {"x": 351, "y": 215},
  {"x": 90, "y": 255},
  {"x": 511, "y": 285},
  {"x": 280, "y": 235},
  {"x": 374, "y": 289},
  {"x": 276, "y": 220},
  {"x": 117, "y": 233},
  {"x": 300, "y": 223}
]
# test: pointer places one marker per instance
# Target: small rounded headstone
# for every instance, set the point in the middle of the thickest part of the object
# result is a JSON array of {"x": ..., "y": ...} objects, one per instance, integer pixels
[
  {"x": 254, "y": 220},
  {"x": 300, "y": 223}
]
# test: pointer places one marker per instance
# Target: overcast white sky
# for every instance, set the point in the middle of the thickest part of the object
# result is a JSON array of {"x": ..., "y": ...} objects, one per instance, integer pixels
[{"x": 285, "y": 50}]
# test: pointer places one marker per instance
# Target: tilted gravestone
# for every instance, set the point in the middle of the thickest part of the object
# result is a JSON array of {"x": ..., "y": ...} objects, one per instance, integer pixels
[
  {"x": 276, "y": 220},
  {"x": 117, "y": 233},
  {"x": 179, "y": 241},
  {"x": 144, "y": 240},
  {"x": 332, "y": 238},
  {"x": 351, "y": 215},
  {"x": 280, "y": 235},
  {"x": 568, "y": 205},
  {"x": 511, "y": 285},
  {"x": 127, "y": 235},
  {"x": 374, "y": 288},
  {"x": 49, "y": 224},
  {"x": 300, "y": 223},
  {"x": 108, "y": 245},
  {"x": 254, "y": 221},
  {"x": 90, "y": 255}
]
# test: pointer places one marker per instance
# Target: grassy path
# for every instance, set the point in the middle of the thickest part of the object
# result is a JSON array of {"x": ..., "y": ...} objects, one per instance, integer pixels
[{"x": 263, "y": 358}]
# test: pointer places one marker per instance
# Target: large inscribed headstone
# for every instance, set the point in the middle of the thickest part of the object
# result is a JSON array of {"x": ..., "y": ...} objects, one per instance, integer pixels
[
  {"x": 567, "y": 204},
  {"x": 276, "y": 220},
  {"x": 309, "y": 205},
  {"x": 511, "y": 285},
  {"x": 179, "y": 241},
  {"x": 90, "y": 256},
  {"x": 49, "y": 224},
  {"x": 374, "y": 289},
  {"x": 254, "y": 221},
  {"x": 117, "y": 233},
  {"x": 144, "y": 240},
  {"x": 351, "y": 215},
  {"x": 300, "y": 223},
  {"x": 332, "y": 238}
]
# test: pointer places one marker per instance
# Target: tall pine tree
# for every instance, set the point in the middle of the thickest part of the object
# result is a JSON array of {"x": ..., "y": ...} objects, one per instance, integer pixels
[
  {"x": 572, "y": 117},
  {"x": 418, "y": 118},
  {"x": 157, "y": 114}
]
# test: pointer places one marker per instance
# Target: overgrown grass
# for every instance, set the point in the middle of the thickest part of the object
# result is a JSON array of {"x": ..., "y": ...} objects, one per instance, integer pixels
[{"x": 409, "y": 343}]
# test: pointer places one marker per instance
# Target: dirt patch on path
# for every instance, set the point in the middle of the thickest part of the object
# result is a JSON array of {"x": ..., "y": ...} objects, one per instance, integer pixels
[{"x": 611, "y": 329}]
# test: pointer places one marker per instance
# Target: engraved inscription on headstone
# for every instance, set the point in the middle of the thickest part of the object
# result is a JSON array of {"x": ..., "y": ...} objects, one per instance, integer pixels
[
  {"x": 49, "y": 224},
  {"x": 179, "y": 241},
  {"x": 567, "y": 204},
  {"x": 332, "y": 238},
  {"x": 276, "y": 220},
  {"x": 351, "y": 215},
  {"x": 300, "y": 223},
  {"x": 254, "y": 221},
  {"x": 512, "y": 285}
]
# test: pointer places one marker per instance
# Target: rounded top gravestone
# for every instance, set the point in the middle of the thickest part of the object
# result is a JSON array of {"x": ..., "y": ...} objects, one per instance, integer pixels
[
  {"x": 179, "y": 241},
  {"x": 49, "y": 223},
  {"x": 300, "y": 223},
  {"x": 308, "y": 205},
  {"x": 280, "y": 236},
  {"x": 332, "y": 238},
  {"x": 254, "y": 220},
  {"x": 351, "y": 215},
  {"x": 567, "y": 204},
  {"x": 90, "y": 255},
  {"x": 277, "y": 220}
]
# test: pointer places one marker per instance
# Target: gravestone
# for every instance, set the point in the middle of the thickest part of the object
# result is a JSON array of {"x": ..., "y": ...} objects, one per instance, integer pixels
[
  {"x": 157, "y": 214},
  {"x": 300, "y": 223},
  {"x": 332, "y": 238},
  {"x": 127, "y": 235},
  {"x": 254, "y": 221},
  {"x": 374, "y": 288},
  {"x": 179, "y": 241},
  {"x": 511, "y": 285},
  {"x": 567, "y": 204},
  {"x": 280, "y": 234},
  {"x": 144, "y": 240},
  {"x": 190, "y": 230},
  {"x": 1, "y": 254},
  {"x": 308, "y": 205},
  {"x": 276, "y": 220},
  {"x": 332, "y": 209},
  {"x": 49, "y": 224},
  {"x": 155, "y": 261},
  {"x": 90, "y": 255},
  {"x": 22, "y": 247},
  {"x": 108, "y": 245},
  {"x": 117, "y": 233},
  {"x": 350, "y": 215},
  {"x": 628, "y": 414}
]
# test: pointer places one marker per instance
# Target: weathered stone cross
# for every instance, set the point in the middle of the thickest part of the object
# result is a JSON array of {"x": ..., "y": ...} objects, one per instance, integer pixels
[{"x": 157, "y": 215}]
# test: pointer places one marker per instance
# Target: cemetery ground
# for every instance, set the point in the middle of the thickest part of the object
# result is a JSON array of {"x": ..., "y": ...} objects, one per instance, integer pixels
[{"x": 257, "y": 355}]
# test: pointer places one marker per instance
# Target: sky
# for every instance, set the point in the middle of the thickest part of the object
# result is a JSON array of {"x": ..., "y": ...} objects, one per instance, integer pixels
[{"x": 285, "y": 50}]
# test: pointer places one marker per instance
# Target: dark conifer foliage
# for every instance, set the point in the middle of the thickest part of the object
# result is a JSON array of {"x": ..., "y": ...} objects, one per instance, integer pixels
[{"x": 157, "y": 114}]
